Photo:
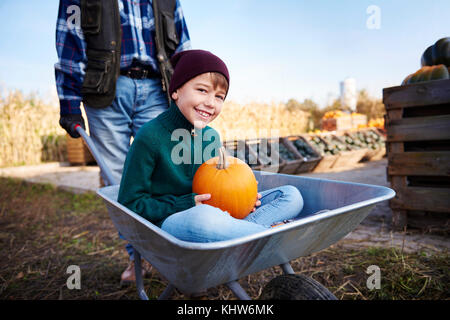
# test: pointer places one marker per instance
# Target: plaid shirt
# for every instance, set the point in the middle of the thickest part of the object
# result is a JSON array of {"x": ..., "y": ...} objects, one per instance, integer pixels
[{"x": 138, "y": 30}]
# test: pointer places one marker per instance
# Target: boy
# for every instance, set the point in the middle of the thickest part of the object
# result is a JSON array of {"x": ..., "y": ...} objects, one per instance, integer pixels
[{"x": 157, "y": 184}]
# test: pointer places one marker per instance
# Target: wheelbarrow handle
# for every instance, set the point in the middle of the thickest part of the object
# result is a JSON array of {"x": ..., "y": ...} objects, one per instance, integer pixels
[{"x": 108, "y": 177}]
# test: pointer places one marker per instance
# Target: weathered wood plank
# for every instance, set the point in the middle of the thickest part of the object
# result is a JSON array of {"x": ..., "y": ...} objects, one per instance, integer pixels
[
  {"x": 419, "y": 163},
  {"x": 419, "y": 129},
  {"x": 419, "y": 198},
  {"x": 417, "y": 94}
]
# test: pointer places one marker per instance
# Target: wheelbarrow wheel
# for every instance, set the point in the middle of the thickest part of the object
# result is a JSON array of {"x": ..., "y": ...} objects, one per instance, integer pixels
[{"x": 295, "y": 287}]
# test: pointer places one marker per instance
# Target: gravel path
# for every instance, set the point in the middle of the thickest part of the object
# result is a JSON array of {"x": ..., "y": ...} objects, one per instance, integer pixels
[{"x": 375, "y": 230}]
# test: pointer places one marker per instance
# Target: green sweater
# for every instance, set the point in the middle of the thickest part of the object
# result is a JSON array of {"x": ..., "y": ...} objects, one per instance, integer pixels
[{"x": 158, "y": 172}]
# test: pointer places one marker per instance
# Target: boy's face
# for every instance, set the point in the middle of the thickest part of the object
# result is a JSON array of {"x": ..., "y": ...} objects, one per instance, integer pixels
[{"x": 199, "y": 102}]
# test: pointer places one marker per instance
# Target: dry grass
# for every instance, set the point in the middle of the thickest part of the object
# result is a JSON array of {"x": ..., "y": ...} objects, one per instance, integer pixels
[
  {"x": 44, "y": 230},
  {"x": 29, "y": 131},
  {"x": 257, "y": 120}
]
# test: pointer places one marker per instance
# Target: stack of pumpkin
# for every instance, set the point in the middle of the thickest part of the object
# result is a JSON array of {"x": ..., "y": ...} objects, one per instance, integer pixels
[
  {"x": 373, "y": 123},
  {"x": 364, "y": 139},
  {"x": 334, "y": 114},
  {"x": 435, "y": 63},
  {"x": 337, "y": 120},
  {"x": 304, "y": 149},
  {"x": 323, "y": 147}
]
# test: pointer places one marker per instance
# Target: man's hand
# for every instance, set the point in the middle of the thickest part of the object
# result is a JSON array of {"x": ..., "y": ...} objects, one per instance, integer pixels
[{"x": 68, "y": 122}]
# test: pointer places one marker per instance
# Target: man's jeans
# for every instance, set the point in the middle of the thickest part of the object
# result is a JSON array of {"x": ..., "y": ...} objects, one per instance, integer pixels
[
  {"x": 111, "y": 128},
  {"x": 204, "y": 223}
]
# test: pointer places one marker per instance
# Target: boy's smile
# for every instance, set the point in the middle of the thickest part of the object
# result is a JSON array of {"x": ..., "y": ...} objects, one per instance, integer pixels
[{"x": 199, "y": 101}]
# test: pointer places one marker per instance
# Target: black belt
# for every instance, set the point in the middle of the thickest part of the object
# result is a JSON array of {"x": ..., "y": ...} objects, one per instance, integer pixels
[{"x": 140, "y": 73}]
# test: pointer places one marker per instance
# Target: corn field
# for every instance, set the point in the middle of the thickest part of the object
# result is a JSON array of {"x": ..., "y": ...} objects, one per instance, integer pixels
[
  {"x": 257, "y": 120},
  {"x": 30, "y": 131}
]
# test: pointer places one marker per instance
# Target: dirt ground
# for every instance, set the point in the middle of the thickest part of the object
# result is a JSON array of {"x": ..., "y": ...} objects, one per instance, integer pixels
[
  {"x": 43, "y": 230},
  {"x": 376, "y": 230}
]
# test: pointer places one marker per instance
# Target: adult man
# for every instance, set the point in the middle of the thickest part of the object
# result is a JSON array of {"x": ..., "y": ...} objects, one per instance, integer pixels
[{"x": 89, "y": 37}]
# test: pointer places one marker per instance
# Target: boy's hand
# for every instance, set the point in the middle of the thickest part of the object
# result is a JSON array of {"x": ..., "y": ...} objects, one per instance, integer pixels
[
  {"x": 258, "y": 203},
  {"x": 201, "y": 197}
]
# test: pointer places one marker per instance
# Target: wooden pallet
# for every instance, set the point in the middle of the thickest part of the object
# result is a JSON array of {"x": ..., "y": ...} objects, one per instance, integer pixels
[
  {"x": 77, "y": 151},
  {"x": 418, "y": 148}
]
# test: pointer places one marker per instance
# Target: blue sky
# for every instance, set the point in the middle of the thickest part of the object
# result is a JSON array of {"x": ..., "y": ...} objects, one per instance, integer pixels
[{"x": 275, "y": 50}]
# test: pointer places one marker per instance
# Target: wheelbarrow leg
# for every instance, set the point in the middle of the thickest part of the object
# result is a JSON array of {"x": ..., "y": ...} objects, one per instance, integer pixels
[
  {"x": 287, "y": 268},
  {"x": 167, "y": 292},
  {"x": 238, "y": 291},
  {"x": 138, "y": 272}
]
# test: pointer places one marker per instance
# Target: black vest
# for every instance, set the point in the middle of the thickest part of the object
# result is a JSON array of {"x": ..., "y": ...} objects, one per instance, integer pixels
[{"x": 100, "y": 22}]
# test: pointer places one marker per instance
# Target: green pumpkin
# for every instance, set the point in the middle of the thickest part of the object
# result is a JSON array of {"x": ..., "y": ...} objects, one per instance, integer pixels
[
  {"x": 427, "y": 58},
  {"x": 428, "y": 73},
  {"x": 439, "y": 53}
]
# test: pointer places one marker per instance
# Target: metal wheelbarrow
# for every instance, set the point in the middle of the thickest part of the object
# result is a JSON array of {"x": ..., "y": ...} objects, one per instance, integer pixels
[{"x": 332, "y": 209}]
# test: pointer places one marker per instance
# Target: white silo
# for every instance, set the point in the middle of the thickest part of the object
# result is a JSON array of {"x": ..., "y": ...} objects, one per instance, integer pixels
[{"x": 348, "y": 93}]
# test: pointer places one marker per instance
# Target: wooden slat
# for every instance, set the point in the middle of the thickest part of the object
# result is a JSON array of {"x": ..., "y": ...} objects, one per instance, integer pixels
[
  {"x": 417, "y": 94},
  {"x": 418, "y": 198},
  {"x": 419, "y": 129},
  {"x": 419, "y": 163}
]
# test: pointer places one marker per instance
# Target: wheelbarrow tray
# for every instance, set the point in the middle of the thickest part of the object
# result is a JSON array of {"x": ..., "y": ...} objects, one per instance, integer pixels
[{"x": 192, "y": 267}]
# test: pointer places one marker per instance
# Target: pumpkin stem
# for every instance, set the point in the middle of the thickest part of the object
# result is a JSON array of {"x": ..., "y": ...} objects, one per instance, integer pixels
[{"x": 222, "y": 163}]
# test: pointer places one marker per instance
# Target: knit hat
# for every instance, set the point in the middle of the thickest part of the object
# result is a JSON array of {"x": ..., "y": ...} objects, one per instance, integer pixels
[{"x": 191, "y": 63}]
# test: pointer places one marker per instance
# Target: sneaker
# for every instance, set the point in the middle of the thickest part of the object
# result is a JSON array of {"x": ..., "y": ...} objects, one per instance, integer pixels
[
  {"x": 276, "y": 224},
  {"x": 129, "y": 275}
]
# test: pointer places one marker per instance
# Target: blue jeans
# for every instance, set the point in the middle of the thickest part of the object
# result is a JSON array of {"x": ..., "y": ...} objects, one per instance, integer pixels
[
  {"x": 205, "y": 223},
  {"x": 111, "y": 128}
]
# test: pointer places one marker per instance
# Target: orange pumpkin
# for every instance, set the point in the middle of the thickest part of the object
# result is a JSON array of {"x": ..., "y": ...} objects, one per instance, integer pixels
[{"x": 231, "y": 183}]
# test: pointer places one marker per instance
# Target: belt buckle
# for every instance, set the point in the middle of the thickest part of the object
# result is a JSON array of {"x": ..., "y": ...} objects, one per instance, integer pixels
[{"x": 144, "y": 73}]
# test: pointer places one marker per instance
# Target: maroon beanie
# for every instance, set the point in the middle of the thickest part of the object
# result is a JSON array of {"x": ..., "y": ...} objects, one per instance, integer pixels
[{"x": 191, "y": 63}]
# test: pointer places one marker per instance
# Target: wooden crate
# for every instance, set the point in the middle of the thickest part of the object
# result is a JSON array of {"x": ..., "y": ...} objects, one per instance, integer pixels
[
  {"x": 418, "y": 148},
  {"x": 239, "y": 149},
  {"x": 307, "y": 161},
  {"x": 78, "y": 152},
  {"x": 360, "y": 136},
  {"x": 295, "y": 159},
  {"x": 327, "y": 160},
  {"x": 378, "y": 153},
  {"x": 265, "y": 149},
  {"x": 358, "y": 119},
  {"x": 345, "y": 122},
  {"x": 337, "y": 124},
  {"x": 348, "y": 158}
]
